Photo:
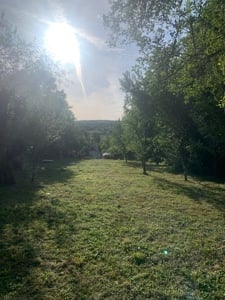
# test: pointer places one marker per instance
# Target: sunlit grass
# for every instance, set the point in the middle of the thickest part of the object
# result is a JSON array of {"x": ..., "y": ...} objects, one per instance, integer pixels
[{"x": 99, "y": 229}]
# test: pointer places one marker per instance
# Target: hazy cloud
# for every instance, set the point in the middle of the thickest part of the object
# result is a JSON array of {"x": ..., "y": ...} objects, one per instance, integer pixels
[{"x": 102, "y": 104}]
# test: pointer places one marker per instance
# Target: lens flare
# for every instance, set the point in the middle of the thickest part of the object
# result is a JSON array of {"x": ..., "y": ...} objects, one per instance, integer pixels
[{"x": 63, "y": 46}]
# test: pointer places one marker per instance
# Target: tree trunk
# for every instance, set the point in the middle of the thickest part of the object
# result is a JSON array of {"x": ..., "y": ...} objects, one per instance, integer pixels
[
  {"x": 143, "y": 163},
  {"x": 6, "y": 176},
  {"x": 184, "y": 158},
  {"x": 184, "y": 170},
  {"x": 33, "y": 170},
  {"x": 215, "y": 164}
]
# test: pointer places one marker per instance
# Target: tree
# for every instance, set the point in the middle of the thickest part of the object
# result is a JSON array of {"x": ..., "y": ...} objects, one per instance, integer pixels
[
  {"x": 11, "y": 130},
  {"x": 118, "y": 141},
  {"x": 182, "y": 62},
  {"x": 139, "y": 117},
  {"x": 35, "y": 119},
  {"x": 15, "y": 53}
]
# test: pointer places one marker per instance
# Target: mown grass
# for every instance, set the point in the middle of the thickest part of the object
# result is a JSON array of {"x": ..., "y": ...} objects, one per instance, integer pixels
[{"x": 98, "y": 229}]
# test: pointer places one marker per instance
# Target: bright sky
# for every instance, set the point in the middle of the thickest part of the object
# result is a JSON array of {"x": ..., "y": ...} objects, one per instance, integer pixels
[{"x": 91, "y": 81}]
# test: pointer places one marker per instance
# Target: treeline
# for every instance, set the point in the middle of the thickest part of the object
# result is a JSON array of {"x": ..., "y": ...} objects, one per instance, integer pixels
[
  {"x": 96, "y": 131},
  {"x": 175, "y": 95},
  {"x": 35, "y": 120}
]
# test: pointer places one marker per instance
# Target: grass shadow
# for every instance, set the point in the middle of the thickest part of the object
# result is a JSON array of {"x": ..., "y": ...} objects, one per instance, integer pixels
[
  {"x": 149, "y": 166},
  {"x": 27, "y": 215},
  {"x": 191, "y": 189},
  {"x": 162, "y": 168},
  {"x": 45, "y": 173},
  {"x": 203, "y": 179}
]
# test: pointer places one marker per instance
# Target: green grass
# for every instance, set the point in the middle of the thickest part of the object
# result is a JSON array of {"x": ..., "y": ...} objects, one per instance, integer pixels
[{"x": 99, "y": 229}]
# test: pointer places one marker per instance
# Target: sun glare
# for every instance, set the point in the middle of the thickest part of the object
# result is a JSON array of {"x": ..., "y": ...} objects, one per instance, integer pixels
[{"x": 61, "y": 43}]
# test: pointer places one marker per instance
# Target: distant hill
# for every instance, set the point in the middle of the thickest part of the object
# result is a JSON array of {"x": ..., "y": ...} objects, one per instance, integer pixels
[
  {"x": 102, "y": 127},
  {"x": 95, "y": 131}
]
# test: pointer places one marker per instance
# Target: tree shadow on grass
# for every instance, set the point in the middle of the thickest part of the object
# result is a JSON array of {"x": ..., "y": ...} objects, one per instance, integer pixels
[
  {"x": 29, "y": 218},
  {"x": 197, "y": 189},
  {"x": 162, "y": 168},
  {"x": 202, "y": 193},
  {"x": 45, "y": 173},
  {"x": 149, "y": 167}
]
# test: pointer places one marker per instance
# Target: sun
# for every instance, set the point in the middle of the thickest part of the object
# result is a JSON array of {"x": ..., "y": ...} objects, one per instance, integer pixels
[
  {"x": 63, "y": 46},
  {"x": 61, "y": 43}
]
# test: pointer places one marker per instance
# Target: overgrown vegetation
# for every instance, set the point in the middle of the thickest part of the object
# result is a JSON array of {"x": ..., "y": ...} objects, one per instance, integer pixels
[
  {"x": 35, "y": 120},
  {"x": 98, "y": 229},
  {"x": 175, "y": 94}
]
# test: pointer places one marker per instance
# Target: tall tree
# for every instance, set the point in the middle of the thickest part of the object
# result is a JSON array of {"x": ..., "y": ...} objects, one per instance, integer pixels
[
  {"x": 35, "y": 119},
  {"x": 182, "y": 49},
  {"x": 119, "y": 140},
  {"x": 12, "y": 123},
  {"x": 139, "y": 117}
]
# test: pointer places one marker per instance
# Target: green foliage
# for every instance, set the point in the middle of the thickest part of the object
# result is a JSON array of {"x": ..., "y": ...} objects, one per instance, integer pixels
[
  {"x": 97, "y": 134},
  {"x": 35, "y": 120},
  {"x": 139, "y": 119},
  {"x": 181, "y": 72},
  {"x": 15, "y": 53},
  {"x": 120, "y": 140}
]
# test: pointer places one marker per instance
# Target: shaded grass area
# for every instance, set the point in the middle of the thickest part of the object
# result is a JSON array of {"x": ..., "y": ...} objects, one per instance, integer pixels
[{"x": 98, "y": 229}]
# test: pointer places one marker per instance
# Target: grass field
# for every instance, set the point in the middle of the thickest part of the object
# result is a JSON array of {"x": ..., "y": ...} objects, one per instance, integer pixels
[{"x": 99, "y": 229}]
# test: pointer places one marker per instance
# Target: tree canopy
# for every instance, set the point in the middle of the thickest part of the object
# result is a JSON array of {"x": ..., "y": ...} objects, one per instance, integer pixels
[
  {"x": 35, "y": 119},
  {"x": 181, "y": 63}
]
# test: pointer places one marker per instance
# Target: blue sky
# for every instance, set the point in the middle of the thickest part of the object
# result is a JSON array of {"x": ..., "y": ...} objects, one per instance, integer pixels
[{"x": 101, "y": 66}]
